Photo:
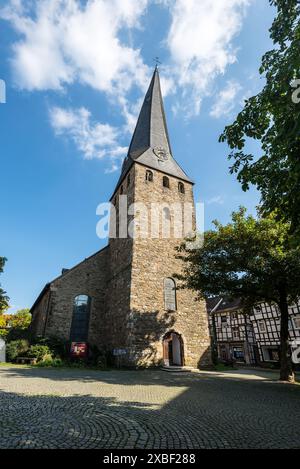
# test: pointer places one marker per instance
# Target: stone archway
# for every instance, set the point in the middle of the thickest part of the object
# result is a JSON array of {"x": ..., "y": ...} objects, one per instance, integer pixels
[{"x": 173, "y": 351}]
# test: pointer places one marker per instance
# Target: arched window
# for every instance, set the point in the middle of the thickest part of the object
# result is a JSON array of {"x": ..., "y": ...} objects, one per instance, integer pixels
[
  {"x": 121, "y": 190},
  {"x": 181, "y": 188},
  {"x": 81, "y": 318},
  {"x": 149, "y": 176},
  {"x": 170, "y": 294},
  {"x": 166, "y": 182},
  {"x": 167, "y": 214},
  {"x": 128, "y": 180}
]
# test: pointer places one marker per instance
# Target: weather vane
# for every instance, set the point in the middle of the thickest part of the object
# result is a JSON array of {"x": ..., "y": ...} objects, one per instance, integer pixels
[{"x": 157, "y": 61}]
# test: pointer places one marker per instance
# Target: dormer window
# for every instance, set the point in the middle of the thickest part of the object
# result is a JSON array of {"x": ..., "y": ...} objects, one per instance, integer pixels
[
  {"x": 166, "y": 182},
  {"x": 149, "y": 176},
  {"x": 181, "y": 188}
]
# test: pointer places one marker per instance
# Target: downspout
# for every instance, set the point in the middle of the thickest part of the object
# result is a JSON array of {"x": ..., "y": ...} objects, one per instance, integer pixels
[{"x": 47, "y": 312}]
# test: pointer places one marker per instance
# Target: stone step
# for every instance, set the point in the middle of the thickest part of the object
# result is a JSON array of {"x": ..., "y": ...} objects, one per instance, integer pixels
[{"x": 177, "y": 369}]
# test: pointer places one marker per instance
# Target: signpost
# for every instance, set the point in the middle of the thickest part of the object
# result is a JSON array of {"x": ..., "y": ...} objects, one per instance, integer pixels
[{"x": 118, "y": 353}]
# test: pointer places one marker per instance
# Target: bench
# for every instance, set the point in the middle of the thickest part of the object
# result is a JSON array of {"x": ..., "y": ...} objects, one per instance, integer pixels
[{"x": 26, "y": 360}]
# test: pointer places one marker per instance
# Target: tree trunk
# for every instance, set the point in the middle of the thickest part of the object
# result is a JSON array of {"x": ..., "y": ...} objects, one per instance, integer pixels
[
  {"x": 215, "y": 357},
  {"x": 286, "y": 370}
]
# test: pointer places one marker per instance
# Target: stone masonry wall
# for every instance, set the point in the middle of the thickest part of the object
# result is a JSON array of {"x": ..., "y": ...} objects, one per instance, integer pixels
[
  {"x": 119, "y": 275},
  {"x": 39, "y": 315},
  {"x": 88, "y": 278},
  {"x": 126, "y": 284},
  {"x": 153, "y": 261}
]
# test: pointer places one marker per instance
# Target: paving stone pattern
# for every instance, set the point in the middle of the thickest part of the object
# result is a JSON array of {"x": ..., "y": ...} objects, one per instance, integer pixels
[{"x": 42, "y": 408}]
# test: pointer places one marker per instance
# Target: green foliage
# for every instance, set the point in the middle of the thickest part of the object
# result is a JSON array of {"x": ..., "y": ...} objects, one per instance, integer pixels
[
  {"x": 98, "y": 358},
  {"x": 252, "y": 259},
  {"x": 40, "y": 352},
  {"x": 274, "y": 119},
  {"x": 15, "y": 349},
  {"x": 59, "y": 348},
  {"x": 3, "y": 334},
  {"x": 248, "y": 258},
  {"x": 3, "y": 326},
  {"x": 3, "y": 297},
  {"x": 18, "y": 325},
  {"x": 51, "y": 362},
  {"x": 20, "y": 320}
]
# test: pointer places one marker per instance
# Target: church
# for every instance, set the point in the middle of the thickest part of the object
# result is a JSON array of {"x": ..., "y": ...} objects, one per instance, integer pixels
[{"x": 124, "y": 299}]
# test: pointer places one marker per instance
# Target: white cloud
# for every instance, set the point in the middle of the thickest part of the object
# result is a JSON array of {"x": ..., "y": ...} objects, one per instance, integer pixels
[
  {"x": 65, "y": 41},
  {"x": 62, "y": 41},
  {"x": 94, "y": 140},
  {"x": 200, "y": 42},
  {"x": 226, "y": 100},
  {"x": 219, "y": 200}
]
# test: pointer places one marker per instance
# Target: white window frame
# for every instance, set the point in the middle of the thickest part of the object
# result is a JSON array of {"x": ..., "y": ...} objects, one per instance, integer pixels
[
  {"x": 224, "y": 323},
  {"x": 294, "y": 319},
  {"x": 266, "y": 351},
  {"x": 260, "y": 323}
]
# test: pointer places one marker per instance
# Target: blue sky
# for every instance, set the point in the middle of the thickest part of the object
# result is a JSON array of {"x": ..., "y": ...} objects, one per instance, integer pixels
[{"x": 75, "y": 74}]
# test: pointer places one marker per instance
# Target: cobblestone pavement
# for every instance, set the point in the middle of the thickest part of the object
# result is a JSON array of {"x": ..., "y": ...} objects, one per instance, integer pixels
[{"x": 42, "y": 408}]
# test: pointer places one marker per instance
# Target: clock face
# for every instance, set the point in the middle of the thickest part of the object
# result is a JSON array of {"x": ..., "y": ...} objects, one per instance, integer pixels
[{"x": 161, "y": 153}]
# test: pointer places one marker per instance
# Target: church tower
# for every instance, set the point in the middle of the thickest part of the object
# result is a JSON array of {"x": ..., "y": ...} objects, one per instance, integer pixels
[{"x": 148, "y": 320}]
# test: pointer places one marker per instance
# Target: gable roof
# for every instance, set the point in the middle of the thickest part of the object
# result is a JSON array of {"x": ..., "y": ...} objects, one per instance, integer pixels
[
  {"x": 64, "y": 273},
  {"x": 220, "y": 304}
]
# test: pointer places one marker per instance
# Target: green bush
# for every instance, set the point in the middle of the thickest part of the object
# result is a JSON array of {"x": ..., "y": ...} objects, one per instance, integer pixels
[
  {"x": 15, "y": 334},
  {"x": 3, "y": 333},
  {"x": 98, "y": 358},
  {"x": 53, "y": 362},
  {"x": 16, "y": 348},
  {"x": 58, "y": 347},
  {"x": 39, "y": 352}
]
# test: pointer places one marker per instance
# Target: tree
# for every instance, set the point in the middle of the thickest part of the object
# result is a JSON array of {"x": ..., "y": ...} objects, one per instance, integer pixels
[
  {"x": 252, "y": 259},
  {"x": 3, "y": 325},
  {"x": 273, "y": 118},
  {"x": 15, "y": 326},
  {"x": 3, "y": 298},
  {"x": 20, "y": 320}
]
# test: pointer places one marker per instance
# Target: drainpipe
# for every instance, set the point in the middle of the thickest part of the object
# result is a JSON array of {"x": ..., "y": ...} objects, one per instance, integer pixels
[{"x": 47, "y": 312}]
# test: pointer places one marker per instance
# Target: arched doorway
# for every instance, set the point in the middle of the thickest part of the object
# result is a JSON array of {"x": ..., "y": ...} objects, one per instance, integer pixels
[{"x": 173, "y": 349}]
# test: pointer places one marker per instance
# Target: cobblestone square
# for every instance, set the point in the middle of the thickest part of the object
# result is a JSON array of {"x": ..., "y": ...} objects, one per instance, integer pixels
[{"x": 65, "y": 408}]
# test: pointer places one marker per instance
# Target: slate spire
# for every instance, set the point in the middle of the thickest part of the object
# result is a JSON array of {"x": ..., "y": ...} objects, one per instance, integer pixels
[
  {"x": 151, "y": 129},
  {"x": 150, "y": 144}
]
